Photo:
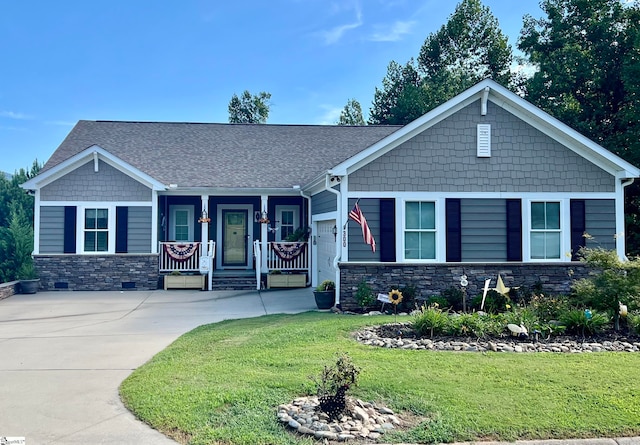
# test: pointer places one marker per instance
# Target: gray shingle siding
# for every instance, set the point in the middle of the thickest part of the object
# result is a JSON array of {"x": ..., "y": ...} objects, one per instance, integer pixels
[
  {"x": 51, "y": 230},
  {"x": 139, "y": 230},
  {"x": 600, "y": 222},
  {"x": 484, "y": 230},
  {"x": 324, "y": 202},
  {"x": 106, "y": 185},
  {"x": 443, "y": 158}
]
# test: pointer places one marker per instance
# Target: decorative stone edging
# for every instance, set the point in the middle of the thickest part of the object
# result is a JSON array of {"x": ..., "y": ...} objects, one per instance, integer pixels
[
  {"x": 369, "y": 336},
  {"x": 361, "y": 420}
]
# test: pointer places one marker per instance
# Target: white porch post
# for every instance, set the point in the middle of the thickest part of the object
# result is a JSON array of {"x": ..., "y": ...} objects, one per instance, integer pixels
[
  {"x": 204, "y": 227},
  {"x": 264, "y": 205}
]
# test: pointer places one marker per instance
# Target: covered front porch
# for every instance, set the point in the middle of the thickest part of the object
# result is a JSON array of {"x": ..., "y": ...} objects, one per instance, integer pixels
[{"x": 234, "y": 235}]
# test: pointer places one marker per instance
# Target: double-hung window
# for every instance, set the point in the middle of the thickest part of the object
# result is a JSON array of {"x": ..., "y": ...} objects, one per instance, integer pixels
[
  {"x": 420, "y": 230},
  {"x": 96, "y": 230},
  {"x": 545, "y": 230}
]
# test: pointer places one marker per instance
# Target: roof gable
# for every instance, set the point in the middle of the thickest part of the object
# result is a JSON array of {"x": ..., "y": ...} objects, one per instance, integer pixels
[
  {"x": 488, "y": 90},
  {"x": 94, "y": 153}
]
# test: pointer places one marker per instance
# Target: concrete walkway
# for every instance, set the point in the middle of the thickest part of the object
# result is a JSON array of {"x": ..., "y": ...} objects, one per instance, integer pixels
[{"x": 64, "y": 354}]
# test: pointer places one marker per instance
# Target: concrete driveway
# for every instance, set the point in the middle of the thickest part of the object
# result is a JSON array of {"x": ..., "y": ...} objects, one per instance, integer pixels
[{"x": 64, "y": 354}]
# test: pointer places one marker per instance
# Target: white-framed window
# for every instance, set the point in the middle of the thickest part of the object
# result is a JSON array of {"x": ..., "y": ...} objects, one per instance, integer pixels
[
  {"x": 420, "y": 230},
  {"x": 288, "y": 221},
  {"x": 181, "y": 223},
  {"x": 545, "y": 233},
  {"x": 96, "y": 230}
]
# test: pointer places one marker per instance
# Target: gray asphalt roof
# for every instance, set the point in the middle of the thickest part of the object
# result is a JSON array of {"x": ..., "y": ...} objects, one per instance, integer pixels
[{"x": 223, "y": 155}]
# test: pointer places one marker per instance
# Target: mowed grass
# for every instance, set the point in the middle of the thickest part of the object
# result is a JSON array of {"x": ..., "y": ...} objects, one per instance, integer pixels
[{"x": 222, "y": 383}]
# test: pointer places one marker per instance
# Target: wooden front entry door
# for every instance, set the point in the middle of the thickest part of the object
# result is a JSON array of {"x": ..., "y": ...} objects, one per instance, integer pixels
[{"x": 234, "y": 238}]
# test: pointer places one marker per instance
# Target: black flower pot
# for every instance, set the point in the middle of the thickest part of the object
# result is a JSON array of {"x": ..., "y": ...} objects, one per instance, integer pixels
[
  {"x": 325, "y": 299},
  {"x": 29, "y": 286}
]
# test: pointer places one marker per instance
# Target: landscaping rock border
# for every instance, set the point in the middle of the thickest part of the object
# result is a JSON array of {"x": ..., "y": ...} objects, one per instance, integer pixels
[
  {"x": 361, "y": 420},
  {"x": 371, "y": 336}
]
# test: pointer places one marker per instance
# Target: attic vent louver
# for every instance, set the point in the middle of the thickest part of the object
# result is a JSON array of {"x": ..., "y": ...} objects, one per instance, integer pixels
[{"x": 484, "y": 140}]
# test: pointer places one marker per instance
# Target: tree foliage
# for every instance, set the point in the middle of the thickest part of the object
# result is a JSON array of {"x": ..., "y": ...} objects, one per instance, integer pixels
[
  {"x": 351, "y": 114},
  {"x": 16, "y": 224},
  {"x": 470, "y": 44},
  {"x": 249, "y": 109},
  {"x": 468, "y": 48},
  {"x": 588, "y": 57}
]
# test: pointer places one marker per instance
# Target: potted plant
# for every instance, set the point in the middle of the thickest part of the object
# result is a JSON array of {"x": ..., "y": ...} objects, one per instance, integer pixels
[
  {"x": 325, "y": 294},
  {"x": 28, "y": 276}
]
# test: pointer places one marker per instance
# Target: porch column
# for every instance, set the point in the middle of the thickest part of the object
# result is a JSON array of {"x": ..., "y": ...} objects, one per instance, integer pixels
[
  {"x": 264, "y": 205},
  {"x": 204, "y": 227}
]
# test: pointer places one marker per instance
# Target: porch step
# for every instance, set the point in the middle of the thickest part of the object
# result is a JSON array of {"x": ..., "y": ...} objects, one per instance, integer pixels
[{"x": 228, "y": 281}]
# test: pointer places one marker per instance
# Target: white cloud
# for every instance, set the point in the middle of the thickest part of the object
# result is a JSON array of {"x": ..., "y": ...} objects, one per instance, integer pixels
[
  {"x": 14, "y": 115},
  {"x": 330, "y": 116},
  {"x": 393, "y": 32},
  {"x": 334, "y": 34}
]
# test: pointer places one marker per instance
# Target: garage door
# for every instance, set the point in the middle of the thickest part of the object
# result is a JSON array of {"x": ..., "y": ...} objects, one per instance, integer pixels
[{"x": 326, "y": 247}]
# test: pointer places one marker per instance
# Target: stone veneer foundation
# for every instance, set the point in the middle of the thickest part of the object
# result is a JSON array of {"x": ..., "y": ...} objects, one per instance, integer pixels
[
  {"x": 98, "y": 272},
  {"x": 433, "y": 279}
]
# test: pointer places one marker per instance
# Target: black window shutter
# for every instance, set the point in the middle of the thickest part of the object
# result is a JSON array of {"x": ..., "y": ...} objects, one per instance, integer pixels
[
  {"x": 578, "y": 227},
  {"x": 454, "y": 231},
  {"x": 70, "y": 220},
  {"x": 514, "y": 230},
  {"x": 387, "y": 243},
  {"x": 122, "y": 225}
]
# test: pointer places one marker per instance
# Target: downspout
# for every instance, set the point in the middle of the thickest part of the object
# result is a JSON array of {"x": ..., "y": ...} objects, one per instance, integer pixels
[
  {"x": 328, "y": 188},
  {"x": 308, "y": 198}
]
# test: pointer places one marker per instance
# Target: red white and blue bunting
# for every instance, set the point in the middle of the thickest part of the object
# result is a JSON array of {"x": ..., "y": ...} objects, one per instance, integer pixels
[
  {"x": 181, "y": 252},
  {"x": 288, "y": 251}
]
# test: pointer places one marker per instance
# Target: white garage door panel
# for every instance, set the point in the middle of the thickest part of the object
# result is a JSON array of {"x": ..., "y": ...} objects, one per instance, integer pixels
[{"x": 326, "y": 245}]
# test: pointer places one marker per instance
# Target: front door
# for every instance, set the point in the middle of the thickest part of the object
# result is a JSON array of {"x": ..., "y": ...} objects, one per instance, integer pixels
[{"x": 234, "y": 238}]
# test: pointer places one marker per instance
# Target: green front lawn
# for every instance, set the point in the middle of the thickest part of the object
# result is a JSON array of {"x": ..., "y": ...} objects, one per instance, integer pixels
[{"x": 221, "y": 384}]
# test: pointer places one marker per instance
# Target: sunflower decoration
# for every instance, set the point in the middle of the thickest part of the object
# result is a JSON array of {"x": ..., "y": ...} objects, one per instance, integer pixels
[{"x": 395, "y": 296}]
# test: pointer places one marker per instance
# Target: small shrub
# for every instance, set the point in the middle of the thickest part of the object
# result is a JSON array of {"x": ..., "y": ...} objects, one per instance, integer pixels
[
  {"x": 466, "y": 325},
  {"x": 333, "y": 383},
  {"x": 633, "y": 321},
  {"x": 526, "y": 317},
  {"x": 408, "y": 298},
  {"x": 454, "y": 296},
  {"x": 326, "y": 285},
  {"x": 364, "y": 295},
  {"x": 438, "y": 301},
  {"x": 578, "y": 322},
  {"x": 494, "y": 302},
  {"x": 549, "y": 307},
  {"x": 430, "y": 320}
]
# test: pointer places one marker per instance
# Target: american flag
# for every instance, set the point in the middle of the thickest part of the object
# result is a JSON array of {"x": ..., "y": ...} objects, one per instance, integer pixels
[{"x": 356, "y": 215}]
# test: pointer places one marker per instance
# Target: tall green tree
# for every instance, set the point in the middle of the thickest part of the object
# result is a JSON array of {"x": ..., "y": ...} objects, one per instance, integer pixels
[
  {"x": 384, "y": 109},
  {"x": 351, "y": 114},
  {"x": 16, "y": 223},
  {"x": 588, "y": 57},
  {"x": 471, "y": 44},
  {"x": 468, "y": 48},
  {"x": 249, "y": 109}
]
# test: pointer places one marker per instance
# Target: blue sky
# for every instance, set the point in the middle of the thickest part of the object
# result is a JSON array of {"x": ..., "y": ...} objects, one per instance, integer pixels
[{"x": 161, "y": 60}]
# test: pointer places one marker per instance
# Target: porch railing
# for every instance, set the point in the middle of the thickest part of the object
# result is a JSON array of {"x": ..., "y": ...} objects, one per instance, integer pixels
[
  {"x": 287, "y": 256},
  {"x": 182, "y": 256}
]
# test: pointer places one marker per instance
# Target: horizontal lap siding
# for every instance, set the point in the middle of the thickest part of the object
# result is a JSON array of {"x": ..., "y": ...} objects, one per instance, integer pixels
[
  {"x": 139, "y": 230},
  {"x": 484, "y": 229},
  {"x": 51, "y": 230},
  {"x": 324, "y": 202},
  {"x": 600, "y": 223},
  {"x": 358, "y": 250}
]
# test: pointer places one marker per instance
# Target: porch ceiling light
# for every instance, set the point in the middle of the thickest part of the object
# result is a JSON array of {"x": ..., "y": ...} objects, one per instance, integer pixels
[
  {"x": 335, "y": 232},
  {"x": 204, "y": 216}
]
